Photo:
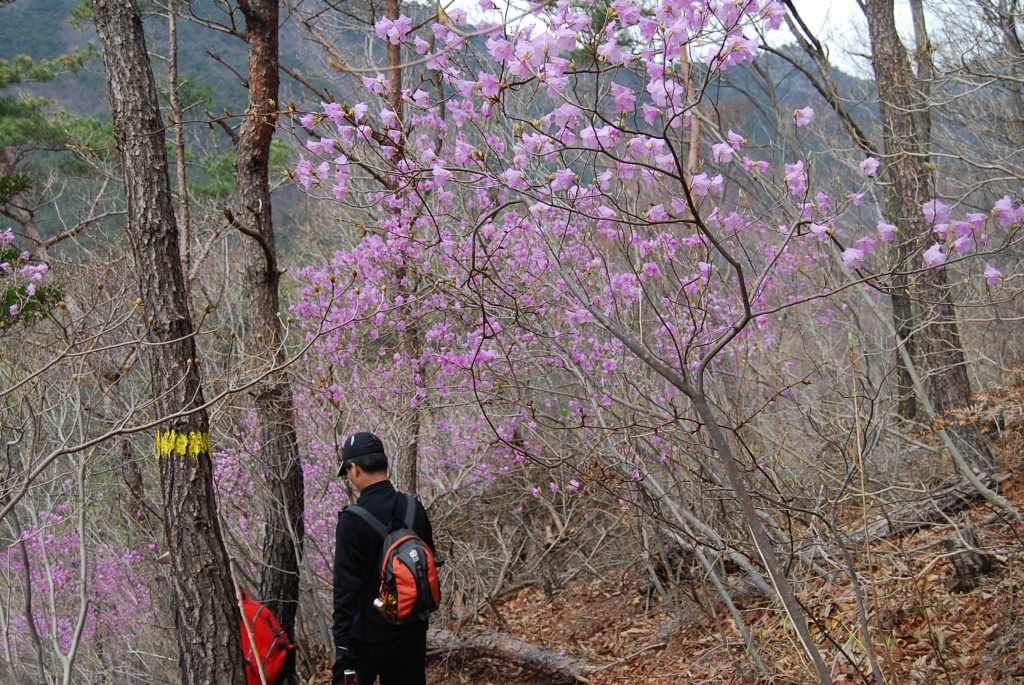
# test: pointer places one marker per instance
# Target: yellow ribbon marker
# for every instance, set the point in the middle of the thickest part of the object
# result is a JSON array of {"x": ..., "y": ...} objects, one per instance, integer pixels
[{"x": 193, "y": 443}]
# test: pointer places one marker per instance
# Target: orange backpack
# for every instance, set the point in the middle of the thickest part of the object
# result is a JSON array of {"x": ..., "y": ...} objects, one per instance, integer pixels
[{"x": 410, "y": 589}]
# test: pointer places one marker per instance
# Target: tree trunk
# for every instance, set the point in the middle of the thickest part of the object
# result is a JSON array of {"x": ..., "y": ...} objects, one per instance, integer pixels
[
  {"x": 205, "y": 614},
  {"x": 968, "y": 561},
  {"x": 405, "y": 466},
  {"x": 513, "y": 650},
  {"x": 284, "y": 504},
  {"x": 923, "y": 312}
]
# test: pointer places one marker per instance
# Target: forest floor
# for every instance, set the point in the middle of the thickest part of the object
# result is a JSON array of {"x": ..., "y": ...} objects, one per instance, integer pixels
[{"x": 922, "y": 630}]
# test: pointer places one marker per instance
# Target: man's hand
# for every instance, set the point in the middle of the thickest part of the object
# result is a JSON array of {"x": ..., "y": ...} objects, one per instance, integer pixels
[{"x": 344, "y": 660}]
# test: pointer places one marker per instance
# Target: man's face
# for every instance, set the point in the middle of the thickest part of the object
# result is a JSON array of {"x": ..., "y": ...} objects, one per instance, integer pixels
[{"x": 352, "y": 474}]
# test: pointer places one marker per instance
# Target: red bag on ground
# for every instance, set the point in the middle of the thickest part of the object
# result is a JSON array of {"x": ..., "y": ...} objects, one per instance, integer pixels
[{"x": 272, "y": 643}]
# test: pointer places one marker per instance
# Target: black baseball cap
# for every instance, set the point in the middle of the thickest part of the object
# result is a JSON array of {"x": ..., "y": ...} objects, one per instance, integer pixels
[{"x": 358, "y": 445}]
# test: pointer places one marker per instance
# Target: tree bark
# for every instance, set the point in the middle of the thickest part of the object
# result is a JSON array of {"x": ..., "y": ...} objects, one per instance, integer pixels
[
  {"x": 205, "y": 614},
  {"x": 284, "y": 504},
  {"x": 923, "y": 311}
]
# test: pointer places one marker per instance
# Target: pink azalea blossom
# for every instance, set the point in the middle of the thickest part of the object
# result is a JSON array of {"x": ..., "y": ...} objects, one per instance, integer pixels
[
  {"x": 394, "y": 31},
  {"x": 737, "y": 48},
  {"x": 657, "y": 213},
  {"x": 625, "y": 100},
  {"x": 563, "y": 180},
  {"x": 490, "y": 86},
  {"x": 650, "y": 113},
  {"x": 1004, "y": 211},
  {"x": 722, "y": 152},
  {"x": 755, "y": 166},
  {"x": 421, "y": 98},
  {"x": 887, "y": 231},
  {"x": 992, "y": 274},
  {"x": 304, "y": 172},
  {"x": 441, "y": 175},
  {"x": 852, "y": 258},
  {"x": 976, "y": 220},
  {"x": 378, "y": 84},
  {"x": 514, "y": 178},
  {"x": 14, "y": 310},
  {"x": 961, "y": 228},
  {"x": 500, "y": 49},
  {"x": 700, "y": 184},
  {"x": 566, "y": 115},
  {"x": 796, "y": 178},
  {"x": 869, "y": 167},
  {"x": 936, "y": 211},
  {"x": 820, "y": 230},
  {"x": 866, "y": 244},
  {"x": 802, "y": 117},
  {"x": 934, "y": 256},
  {"x": 629, "y": 13},
  {"x": 774, "y": 14},
  {"x": 963, "y": 244}
]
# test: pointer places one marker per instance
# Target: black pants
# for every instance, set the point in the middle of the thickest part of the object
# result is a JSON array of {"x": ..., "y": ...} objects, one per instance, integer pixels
[{"x": 398, "y": 662}]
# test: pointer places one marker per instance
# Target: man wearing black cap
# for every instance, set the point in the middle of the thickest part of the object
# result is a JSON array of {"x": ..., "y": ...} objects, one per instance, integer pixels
[{"x": 364, "y": 641}]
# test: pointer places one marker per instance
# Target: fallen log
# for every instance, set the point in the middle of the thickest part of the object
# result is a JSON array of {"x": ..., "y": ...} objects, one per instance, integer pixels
[
  {"x": 930, "y": 508},
  {"x": 510, "y": 649}
]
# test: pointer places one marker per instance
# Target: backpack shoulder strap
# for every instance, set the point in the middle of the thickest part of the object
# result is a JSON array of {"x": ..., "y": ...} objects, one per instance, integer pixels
[
  {"x": 410, "y": 511},
  {"x": 374, "y": 522}
]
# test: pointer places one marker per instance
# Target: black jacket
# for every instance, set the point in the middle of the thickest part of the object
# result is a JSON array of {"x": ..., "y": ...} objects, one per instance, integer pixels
[{"x": 357, "y": 552}]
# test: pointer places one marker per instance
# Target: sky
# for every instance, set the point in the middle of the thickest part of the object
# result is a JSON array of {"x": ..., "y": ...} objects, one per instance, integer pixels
[
  {"x": 840, "y": 25},
  {"x": 821, "y": 14}
]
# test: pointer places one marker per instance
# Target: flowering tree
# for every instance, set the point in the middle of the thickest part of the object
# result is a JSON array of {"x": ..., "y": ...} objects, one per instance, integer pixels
[{"x": 571, "y": 273}]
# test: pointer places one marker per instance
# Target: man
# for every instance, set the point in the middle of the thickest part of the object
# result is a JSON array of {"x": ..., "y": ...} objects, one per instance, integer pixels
[{"x": 364, "y": 641}]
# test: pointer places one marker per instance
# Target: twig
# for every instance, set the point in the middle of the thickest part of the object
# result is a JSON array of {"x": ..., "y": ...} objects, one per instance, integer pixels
[
  {"x": 659, "y": 645},
  {"x": 268, "y": 252}
]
